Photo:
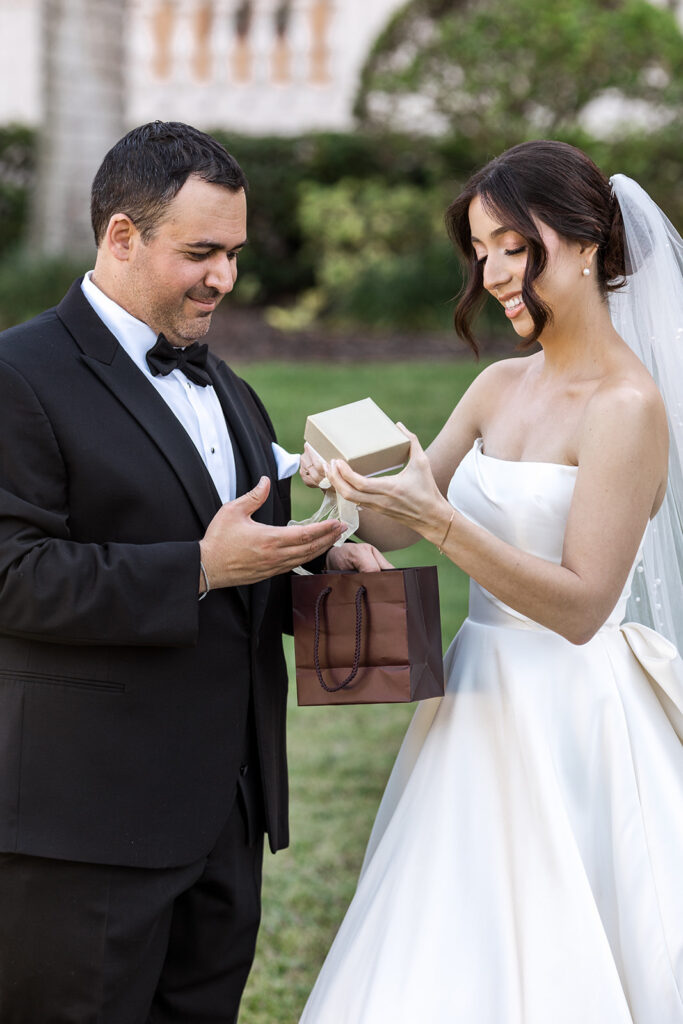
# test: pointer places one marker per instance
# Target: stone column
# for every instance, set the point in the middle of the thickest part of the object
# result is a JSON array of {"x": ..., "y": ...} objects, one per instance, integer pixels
[
  {"x": 83, "y": 115},
  {"x": 202, "y": 60},
  {"x": 182, "y": 74},
  {"x": 264, "y": 37},
  {"x": 222, "y": 42}
]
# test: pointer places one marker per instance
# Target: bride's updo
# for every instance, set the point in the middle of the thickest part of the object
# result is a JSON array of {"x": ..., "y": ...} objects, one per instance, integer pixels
[{"x": 561, "y": 187}]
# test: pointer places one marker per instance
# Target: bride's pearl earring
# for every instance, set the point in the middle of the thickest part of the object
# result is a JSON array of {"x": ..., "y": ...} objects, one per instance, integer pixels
[{"x": 586, "y": 271}]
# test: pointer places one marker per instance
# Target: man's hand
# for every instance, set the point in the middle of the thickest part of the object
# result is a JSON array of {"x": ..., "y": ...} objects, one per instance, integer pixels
[
  {"x": 235, "y": 550},
  {"x": 362, "y": 557}
]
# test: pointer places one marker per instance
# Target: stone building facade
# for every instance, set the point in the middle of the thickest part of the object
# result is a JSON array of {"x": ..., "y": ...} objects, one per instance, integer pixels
[{"x": 258, "y": 66}]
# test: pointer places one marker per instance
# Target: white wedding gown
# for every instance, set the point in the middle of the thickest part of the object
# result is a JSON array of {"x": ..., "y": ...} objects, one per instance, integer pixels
[{"x": 526, "y": 864}]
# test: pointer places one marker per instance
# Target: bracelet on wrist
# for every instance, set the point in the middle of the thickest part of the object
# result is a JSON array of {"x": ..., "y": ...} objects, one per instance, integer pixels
[
  {"x": 207, "y": 586},
  {"x": 448, "y": 530}
]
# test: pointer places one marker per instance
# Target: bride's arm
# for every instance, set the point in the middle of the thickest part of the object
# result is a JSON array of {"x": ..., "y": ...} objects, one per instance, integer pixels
[
  {"x": 444, "y": 454},
  {"x": 622, "y": 469}
]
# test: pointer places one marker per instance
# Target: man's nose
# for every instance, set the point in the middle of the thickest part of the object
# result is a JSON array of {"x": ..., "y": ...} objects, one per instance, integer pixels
[{"x": 221, "y": 275}]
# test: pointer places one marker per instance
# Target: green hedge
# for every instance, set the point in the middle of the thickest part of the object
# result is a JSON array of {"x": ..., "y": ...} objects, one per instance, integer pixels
[
  {"x": 29, "y": 285},
  {"x": 278, "y": 263},
  {"x": 17, "y": 171},
  {"x": 380, "y": 256}
]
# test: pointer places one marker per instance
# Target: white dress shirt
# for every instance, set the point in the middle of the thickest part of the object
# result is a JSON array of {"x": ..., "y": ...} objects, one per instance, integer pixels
[{"x": 197, "y": 408}]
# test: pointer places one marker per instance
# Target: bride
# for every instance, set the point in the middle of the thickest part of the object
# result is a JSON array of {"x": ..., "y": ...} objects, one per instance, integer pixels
[{"x": 526, "y": 864}]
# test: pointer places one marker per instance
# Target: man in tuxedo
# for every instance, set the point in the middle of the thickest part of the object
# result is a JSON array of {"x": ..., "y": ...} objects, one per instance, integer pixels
[{"x": 143, "y": 595}]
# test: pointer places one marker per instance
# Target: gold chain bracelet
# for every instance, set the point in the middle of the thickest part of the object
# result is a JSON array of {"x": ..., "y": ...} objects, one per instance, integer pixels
[{"x": 448, "y": 530}]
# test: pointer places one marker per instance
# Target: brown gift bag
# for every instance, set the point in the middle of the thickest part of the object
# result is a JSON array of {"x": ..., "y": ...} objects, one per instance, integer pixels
[{"x": 367, "y": 637}]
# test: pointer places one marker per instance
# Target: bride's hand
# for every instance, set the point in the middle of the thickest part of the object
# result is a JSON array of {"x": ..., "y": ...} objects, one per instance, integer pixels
[
  {"x": 312, "y": 469},
  {"x": 361, "y": 557},
  {"x": 410, "y": 497}
]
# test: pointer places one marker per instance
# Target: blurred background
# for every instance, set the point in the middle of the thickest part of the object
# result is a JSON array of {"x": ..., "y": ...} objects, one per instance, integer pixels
[{"x": 356, "y": 121}]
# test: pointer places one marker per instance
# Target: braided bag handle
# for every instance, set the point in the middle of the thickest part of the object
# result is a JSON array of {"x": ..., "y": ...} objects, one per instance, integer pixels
[{"x": 316, "y": 640}]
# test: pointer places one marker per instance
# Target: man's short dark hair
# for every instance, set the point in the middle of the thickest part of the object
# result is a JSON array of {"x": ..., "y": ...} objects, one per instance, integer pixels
[{"x": 146, "y": 169}]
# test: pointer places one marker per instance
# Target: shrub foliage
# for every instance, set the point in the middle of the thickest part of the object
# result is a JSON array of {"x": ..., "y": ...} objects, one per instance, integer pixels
[
  {"x": 347, "y": 227},
  {"x": 496, "y": 73}
]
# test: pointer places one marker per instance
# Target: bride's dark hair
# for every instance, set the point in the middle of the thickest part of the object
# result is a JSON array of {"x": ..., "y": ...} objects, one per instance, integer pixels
[{"x": 563, "y": 188}]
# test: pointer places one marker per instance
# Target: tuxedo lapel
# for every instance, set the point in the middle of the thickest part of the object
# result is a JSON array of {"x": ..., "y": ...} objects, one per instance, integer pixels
[
  {"x": 243, "y": 433},
  {"x": 246, "y": 437},
  {"x": 104, "y": 356}
]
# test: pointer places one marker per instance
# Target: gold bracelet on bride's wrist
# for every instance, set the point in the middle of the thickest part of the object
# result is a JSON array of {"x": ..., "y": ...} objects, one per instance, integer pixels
[{"x": 448, "y": 530}]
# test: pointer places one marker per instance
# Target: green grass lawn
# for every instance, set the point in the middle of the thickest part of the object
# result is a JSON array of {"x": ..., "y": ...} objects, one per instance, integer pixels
[{"x": 339, "y": 757}]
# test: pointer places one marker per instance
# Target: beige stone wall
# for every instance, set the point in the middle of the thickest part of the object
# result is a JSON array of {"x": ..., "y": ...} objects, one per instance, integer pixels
[
  {"x": 260, "y": 66},
  {"x": 251, "y": 65}
]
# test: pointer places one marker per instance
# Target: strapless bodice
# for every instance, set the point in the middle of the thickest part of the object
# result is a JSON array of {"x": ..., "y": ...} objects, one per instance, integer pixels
[{"x": 525, "y": 504}]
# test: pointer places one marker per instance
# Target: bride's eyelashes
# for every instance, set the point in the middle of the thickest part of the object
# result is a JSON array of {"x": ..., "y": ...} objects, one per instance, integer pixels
[{"x": 508, "y": 252}]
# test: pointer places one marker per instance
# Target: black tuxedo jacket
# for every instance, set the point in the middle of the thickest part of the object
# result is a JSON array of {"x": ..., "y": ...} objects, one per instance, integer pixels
[{"x": 123, "y": 699}]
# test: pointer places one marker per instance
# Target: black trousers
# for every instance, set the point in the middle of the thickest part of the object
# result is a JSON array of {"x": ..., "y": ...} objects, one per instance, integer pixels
[{"x": 96, "y": 944}]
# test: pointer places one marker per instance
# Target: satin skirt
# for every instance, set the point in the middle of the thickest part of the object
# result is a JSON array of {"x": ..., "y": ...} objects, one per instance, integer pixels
[{"x": 526, "y": 864}]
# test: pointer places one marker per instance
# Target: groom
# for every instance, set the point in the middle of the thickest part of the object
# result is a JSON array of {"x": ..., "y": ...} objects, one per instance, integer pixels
[{"x": 143, "y": 594}]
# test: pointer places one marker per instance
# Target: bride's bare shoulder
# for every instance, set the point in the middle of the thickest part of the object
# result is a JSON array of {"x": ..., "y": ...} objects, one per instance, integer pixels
[
  {"x": 628, "y": 405},
  {"x": 502, "y": 374},
  {"x": 628, "y": 383}
]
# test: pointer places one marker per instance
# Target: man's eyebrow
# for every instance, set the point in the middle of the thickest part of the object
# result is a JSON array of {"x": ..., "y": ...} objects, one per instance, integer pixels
[
  {"x": 498, "y": 231},
  {"x": 207, "y": 243}
]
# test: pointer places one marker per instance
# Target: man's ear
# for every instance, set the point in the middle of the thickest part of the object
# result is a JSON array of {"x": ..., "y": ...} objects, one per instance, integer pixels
[{"x": 121, "y": 237}]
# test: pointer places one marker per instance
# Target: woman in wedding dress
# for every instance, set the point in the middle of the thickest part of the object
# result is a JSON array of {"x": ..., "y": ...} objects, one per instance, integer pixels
[{"x": 526, "y": 864}]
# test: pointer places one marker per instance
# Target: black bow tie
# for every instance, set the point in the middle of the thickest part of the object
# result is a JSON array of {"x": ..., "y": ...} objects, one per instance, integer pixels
[{"x": 164, "y": 357}]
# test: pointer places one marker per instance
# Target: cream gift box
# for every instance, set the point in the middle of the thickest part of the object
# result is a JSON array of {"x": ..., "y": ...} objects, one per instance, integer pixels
[{"x": 361, "y": 434}]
